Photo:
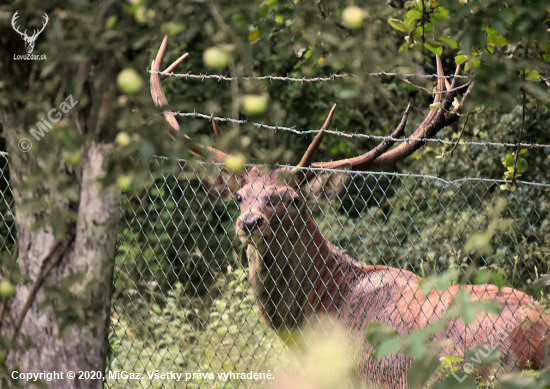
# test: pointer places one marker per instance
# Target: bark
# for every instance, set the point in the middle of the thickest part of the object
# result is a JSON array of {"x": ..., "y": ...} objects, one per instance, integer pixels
[{"x": 91, "y": 251}]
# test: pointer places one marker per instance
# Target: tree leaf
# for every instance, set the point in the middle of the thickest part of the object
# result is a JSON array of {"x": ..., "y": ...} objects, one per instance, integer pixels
[
  {"x": 440, "y": 281},
  {"x": 398, "y": 24},
  {"x": 509, "y": 160},
  {"x": 534, "y": 75},
  {"x": 440, "y": 13},
  {"x": 448, "y": 41},
  {"x": 450, "y": 359},
  {"x": 433, "y": 49},
  {"x": 421, "y": 370},
  {"x": 480, "y": 243},
  {"x": 494, "y": 38},
  {"x": 460, "y": 59},
  {"x": 522, "y": 165},
  {"x": 413, "y": 14},
  {"x": 482, "y": 355}
]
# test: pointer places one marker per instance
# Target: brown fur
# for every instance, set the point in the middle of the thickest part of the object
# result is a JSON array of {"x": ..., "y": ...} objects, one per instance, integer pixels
[{"x": 297, "y": 275}]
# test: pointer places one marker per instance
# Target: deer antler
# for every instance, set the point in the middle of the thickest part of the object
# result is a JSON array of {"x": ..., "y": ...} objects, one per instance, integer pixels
[
  {"x": 306, "y": 159},
  {"x": 13, "y": 19},
  {"x": 159, "y": 98},
  {"x": 36, "y": 33},
  {"x": 379, "y": 157}
]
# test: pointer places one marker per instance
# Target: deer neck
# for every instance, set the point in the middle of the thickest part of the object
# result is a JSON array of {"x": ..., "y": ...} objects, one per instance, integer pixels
[{"x": 296, "y": 274}]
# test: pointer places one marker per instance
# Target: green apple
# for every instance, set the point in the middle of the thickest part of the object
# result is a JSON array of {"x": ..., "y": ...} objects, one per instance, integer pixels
[
  {"x": 7, "y": 290},
  {"x": 123, "y": 139},
  {"x": 215, "y": 57},
  {"x": 125, "y": 182},
  {"x": 352, "y": 16},
  {"x": 75, "y": 159},
  {"x": 235, "y": 163},
  {"x": 129, "y": 81},
  {"x": 140, "y": 15},
  {"x": 254, "y": 104}
]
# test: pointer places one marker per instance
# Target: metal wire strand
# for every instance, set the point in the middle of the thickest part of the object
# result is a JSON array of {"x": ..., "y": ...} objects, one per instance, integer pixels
[{"x": 276, "y": 127}]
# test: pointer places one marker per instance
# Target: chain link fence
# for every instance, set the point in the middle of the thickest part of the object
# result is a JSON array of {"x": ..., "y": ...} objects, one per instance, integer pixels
[
  {"x": 182, "y": 300},
  {"x": 7, "y": 217}
]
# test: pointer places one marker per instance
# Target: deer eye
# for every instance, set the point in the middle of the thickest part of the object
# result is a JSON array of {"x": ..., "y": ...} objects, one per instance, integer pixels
[{"x": 239, "y": 199}]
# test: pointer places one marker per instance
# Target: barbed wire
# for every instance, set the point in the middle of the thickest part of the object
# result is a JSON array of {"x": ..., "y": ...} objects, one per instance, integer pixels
[
  {"x": 332, "y": 77},
  {"x": 276, "y": 127}
]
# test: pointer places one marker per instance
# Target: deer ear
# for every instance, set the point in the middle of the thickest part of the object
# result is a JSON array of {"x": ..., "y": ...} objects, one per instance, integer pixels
[
  {"x": 323, "y": 185},
  {"x": 224, "y": 184}
]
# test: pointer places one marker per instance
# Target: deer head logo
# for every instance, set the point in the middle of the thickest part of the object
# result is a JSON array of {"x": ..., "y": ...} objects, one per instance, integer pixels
[{"x": 29, "y": 40}]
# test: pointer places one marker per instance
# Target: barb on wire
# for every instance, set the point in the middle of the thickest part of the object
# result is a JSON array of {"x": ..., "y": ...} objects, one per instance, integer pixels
[{"x": 347, "y": 135}]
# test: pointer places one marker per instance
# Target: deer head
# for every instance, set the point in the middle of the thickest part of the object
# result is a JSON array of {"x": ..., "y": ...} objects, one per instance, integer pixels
[{"x": 29, "y": 40}]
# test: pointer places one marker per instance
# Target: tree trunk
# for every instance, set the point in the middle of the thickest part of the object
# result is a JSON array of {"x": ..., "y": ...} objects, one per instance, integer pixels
[{"x": 86, "y": 253}]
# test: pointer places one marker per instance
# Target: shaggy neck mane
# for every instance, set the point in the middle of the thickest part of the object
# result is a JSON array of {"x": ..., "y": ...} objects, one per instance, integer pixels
[{"x": 300, "y": 274}]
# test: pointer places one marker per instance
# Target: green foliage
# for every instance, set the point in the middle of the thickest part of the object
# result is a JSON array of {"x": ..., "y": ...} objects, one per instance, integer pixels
[
  {"x": 480, "y": 243},
  {"x": 184, "y": 335},
  {"x": 175, "y": 239},
  {"x": 515, "y": 167}
]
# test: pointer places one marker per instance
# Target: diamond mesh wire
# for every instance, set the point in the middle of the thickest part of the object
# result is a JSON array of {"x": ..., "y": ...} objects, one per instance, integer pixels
[
  {"x": 7, "y": 217},
  {"x": 182, "y": 300}
]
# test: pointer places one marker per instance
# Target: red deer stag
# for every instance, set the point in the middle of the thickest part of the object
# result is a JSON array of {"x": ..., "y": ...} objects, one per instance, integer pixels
[{"x": 296, "y": 273}]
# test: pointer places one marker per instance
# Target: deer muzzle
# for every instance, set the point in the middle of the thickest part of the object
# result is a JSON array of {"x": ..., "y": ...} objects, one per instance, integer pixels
[{"x": 252, "y": 227}]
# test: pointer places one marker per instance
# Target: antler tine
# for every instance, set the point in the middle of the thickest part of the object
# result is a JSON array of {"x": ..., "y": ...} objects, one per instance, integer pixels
[
  {"x": 364, "y": 160},
  {"x": 159, "y": 98},
  {"x": 175, "y": 63},
  {"x": 441, "y": 78},
  {"x": 37, "y": 32},
  {"x": 157, "y": 93},
  {"x": 457, "y": 71},
  {"x": 13, "y": 20},
  {"x": 435, "y": 120},
  {"x": 216, "y": 128},
  {"x": 440, "y": 87},
  {"x": 306, "y": 159}
]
